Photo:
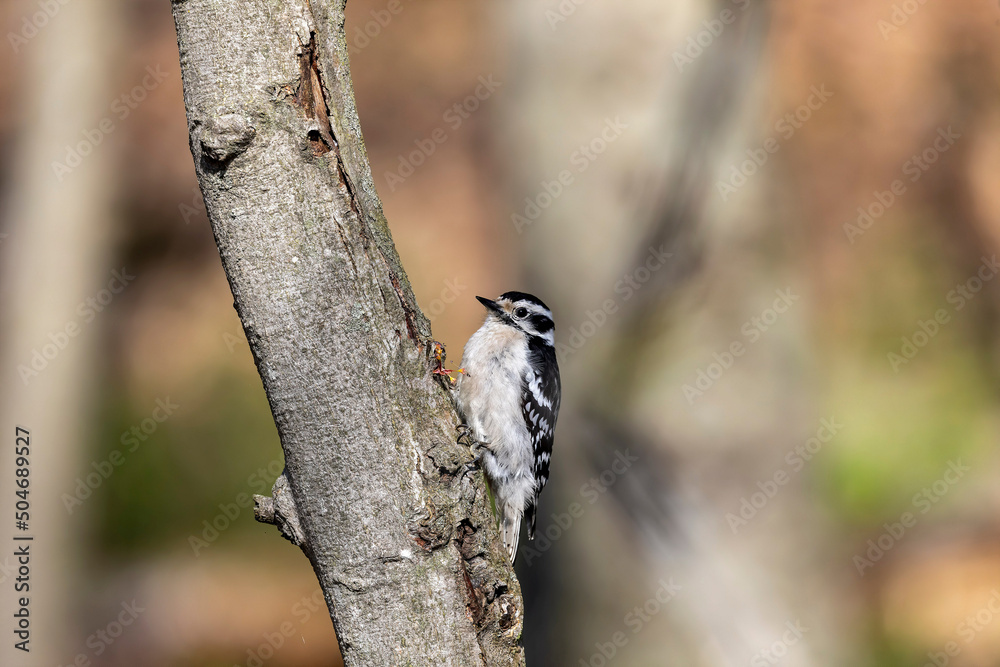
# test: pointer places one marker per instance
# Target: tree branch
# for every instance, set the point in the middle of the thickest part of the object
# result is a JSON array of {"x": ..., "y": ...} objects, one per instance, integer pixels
[{"x": 389, "y": 509}]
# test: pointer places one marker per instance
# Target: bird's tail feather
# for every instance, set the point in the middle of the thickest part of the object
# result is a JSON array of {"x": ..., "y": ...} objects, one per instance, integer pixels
[
  {"x": 511, "y": 527},
  {"x": 529, "y": 518}
]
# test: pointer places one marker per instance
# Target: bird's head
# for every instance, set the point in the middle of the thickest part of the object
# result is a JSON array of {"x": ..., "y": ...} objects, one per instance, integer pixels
[{"x": 524, "y": 312}]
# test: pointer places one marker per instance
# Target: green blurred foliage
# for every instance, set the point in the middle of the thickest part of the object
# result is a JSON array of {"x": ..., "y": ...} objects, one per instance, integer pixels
[
  {"x": 909, "y": 409},
  {"x": 209, "y": 451}
]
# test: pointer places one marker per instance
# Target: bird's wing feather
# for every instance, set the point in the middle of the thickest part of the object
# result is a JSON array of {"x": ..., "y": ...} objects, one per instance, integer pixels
[{"x": 540, "y": 399}]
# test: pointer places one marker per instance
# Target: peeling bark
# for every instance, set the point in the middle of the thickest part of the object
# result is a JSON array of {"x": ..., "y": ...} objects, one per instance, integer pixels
[{"x": 389, "y": 509}]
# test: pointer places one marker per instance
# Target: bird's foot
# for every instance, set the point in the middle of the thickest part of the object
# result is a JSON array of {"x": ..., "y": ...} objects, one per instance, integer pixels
[
  {"x": 479, "y": 447},
  {"x": 465, "y": 435},
  {"x": 466, "y": 438}
]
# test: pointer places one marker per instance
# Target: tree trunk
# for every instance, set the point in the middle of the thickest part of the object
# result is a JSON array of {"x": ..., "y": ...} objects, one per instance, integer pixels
[{"x": 386, "y": 505}]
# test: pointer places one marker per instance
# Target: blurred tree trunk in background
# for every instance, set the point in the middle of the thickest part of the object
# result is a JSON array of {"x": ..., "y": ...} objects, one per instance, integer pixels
[
  {"x": 57, "y": 253},
  {"x": 394, "y": 519},
  {"x": 644, "y": 152}
]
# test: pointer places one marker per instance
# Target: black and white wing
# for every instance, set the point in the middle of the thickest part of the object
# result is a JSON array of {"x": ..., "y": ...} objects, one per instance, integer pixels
[{"x": 540, "y": 406}]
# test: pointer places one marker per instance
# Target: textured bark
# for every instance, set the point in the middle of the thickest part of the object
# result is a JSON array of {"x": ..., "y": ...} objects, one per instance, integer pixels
[{"x": 386, "y": 505}]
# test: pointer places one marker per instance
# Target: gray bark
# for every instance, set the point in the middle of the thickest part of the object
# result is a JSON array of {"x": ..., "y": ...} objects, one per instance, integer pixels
[{"x": 386, "y": 505}]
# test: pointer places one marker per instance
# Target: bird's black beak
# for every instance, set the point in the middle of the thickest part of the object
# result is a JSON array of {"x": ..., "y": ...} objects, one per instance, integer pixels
[{"x": 490, "y": 305}]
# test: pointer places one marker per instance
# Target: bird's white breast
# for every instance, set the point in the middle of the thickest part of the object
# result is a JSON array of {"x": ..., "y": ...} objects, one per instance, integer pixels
[{"x": 490, "y": 399}]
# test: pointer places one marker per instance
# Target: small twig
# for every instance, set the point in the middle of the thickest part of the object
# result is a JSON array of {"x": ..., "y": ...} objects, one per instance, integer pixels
[{"x": 279, "y": 510}]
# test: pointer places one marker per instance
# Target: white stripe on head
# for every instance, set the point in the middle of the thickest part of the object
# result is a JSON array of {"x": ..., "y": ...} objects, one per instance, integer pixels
[{"x": 536, "y": 309}]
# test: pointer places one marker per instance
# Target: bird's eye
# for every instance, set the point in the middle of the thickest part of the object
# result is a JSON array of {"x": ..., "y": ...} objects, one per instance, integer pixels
[{"x": 521, "y": 313}]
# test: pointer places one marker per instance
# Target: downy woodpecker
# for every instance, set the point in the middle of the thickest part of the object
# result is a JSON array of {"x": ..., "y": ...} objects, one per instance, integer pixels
[{"x": 509, "y": 399}]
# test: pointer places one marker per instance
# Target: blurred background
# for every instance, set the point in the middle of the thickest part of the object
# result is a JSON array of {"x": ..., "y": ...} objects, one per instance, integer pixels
[{"x": 768, "y": 232}]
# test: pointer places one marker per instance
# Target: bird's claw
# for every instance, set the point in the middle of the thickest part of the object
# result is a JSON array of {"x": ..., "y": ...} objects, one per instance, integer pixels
[
  {"x": 478, "y": 447},
  {"x": 466, "y": 438}
]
